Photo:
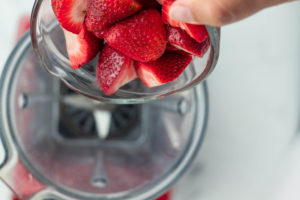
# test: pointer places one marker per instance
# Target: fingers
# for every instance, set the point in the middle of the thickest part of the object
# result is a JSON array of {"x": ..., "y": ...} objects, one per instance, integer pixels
[
  {"x": 200, "y": 12},
  {"x": 217, "y": 12}
]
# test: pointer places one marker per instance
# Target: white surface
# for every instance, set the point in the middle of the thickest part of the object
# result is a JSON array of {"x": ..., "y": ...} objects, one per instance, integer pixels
[
  {"x": 11, "y": 10},
  {"x": 251, "y": 150}
]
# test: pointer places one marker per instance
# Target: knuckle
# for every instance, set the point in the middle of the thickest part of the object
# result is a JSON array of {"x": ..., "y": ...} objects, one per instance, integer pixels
[{"x": 219, "y": 14}]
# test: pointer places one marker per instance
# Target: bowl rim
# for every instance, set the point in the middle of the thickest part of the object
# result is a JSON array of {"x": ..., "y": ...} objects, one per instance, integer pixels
[{"x": 214, "y": 36}]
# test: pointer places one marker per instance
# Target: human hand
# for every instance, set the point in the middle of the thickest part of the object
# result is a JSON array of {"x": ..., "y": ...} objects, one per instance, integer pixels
[{"x": 217, "y": 12}]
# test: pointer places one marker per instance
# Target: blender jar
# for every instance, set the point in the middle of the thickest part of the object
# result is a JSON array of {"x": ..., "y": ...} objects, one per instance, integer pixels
[{"x": 60, "y": 145}]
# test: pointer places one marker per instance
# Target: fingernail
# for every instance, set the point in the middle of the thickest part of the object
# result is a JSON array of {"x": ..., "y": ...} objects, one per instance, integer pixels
[{"x": 181, "y": 13}]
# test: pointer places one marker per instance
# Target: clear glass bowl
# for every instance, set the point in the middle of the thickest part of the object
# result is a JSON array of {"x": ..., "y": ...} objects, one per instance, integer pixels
[{"x": 49, "y": 44}]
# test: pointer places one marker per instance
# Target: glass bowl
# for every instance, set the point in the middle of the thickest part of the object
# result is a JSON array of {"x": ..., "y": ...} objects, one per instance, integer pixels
[{"x": 49, "y": 45}]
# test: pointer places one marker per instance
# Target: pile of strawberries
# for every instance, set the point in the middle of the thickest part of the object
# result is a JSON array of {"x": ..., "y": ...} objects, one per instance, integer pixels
[{"x": 135, "y": 38}]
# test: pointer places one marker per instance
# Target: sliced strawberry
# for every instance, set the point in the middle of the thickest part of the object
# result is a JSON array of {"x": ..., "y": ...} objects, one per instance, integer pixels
[
  {"x": 180, "y": 39},
  {"x": 171, "y": 47},
  {"x": 71, "y": 15},
  {"x": 198, "y": 32},
  {"x": 56, "y": 6},
  {"x": 104, "y": 13},
  {"x": 150, "y": 4},
  {"x": 142, "y": 37},
  {"x": 114, "y": 70},
  {"x": 166, "y": 69},
  {"x": 82, "y": 48}
]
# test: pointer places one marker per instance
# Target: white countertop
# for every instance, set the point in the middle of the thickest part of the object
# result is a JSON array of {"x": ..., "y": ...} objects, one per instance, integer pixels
[{"x": 251, "y": 150}]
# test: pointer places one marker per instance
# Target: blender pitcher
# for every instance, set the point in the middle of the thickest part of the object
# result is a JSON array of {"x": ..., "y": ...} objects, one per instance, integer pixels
[{"x": 60, "y": 145}]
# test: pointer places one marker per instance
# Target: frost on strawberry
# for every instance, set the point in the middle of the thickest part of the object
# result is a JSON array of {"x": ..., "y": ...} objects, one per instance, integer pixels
[
  {"x": 164, "y": 70},
  {"x": 181, "y": 40},
  {"x": 103, "y": 13},
  {"x": 70, "y": 14},
  {"x": 114, "y": 70},
  {"x": 82, "y": 47},
  {"x": 142, "y": 37},
  {"x": 197, "y": 32}
]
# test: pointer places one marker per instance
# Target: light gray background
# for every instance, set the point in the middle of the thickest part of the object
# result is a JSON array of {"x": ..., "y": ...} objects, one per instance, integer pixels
[{"x": 252, "y": 149}]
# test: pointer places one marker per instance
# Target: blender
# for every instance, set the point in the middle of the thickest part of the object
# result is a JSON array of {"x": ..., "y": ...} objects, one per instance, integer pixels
[{"x": 62, "y": 145}]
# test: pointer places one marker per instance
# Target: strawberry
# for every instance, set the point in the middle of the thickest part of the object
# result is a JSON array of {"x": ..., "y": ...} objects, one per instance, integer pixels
[
  {"x": 142, "y": 37},
  {"x": 198, "y": 32},
  {"x": 99, "y": 34},
  {"x": 171, "y": 47},
  {"x": 56, "y": 6},
  {"x": 180, "y": 39},
  {"x": 71, "y": 14},
  {"x": 114, "y": 70},
  {"x": 166, "y": 69},
  {"x": 82, "y": 48},
  {"x": 104, "y": 13}
]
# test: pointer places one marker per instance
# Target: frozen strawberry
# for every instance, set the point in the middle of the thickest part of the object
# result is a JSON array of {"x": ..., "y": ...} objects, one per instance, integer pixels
[
  {"x": 71, "y": 14},
  {"x": 114, "y": 70},
  {"x": 104, "y": 13},
  {"x": 56, "y": 6},
  {"x": 166, "y": 69},
  {"x": 171, "y": 47},
  {"x": 82, "y": 48},
  {"x": 99, "y": 34},
  {"x": 198, "y": 32},
  {"x": 142, "y": 37},
  {"x": 180, "y": 39},
  {"x": 148, "y": 4}
]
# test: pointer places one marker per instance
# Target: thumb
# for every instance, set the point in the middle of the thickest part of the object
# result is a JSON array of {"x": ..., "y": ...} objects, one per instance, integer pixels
[{"x": 216, "y": 12}]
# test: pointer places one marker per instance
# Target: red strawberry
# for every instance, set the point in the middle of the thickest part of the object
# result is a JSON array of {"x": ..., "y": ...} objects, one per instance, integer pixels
[
  {"x": 56, "y": 6},
  {"x": 104, "y": 13},
  {"x": 114, "y": 70},
  {"x": 171, "y": 47},
  {"x": 71, "y": 15},
  {"x": 198, "y": 32},
  {"x": 180, "y": 39},
  {"x": 99, "y": 34},
  {"x": 148, "y": 4},
  {"x": 164, "y": 70},
  {"x": 82, "y": 48},
  {"x": 141, "y": 37}
]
